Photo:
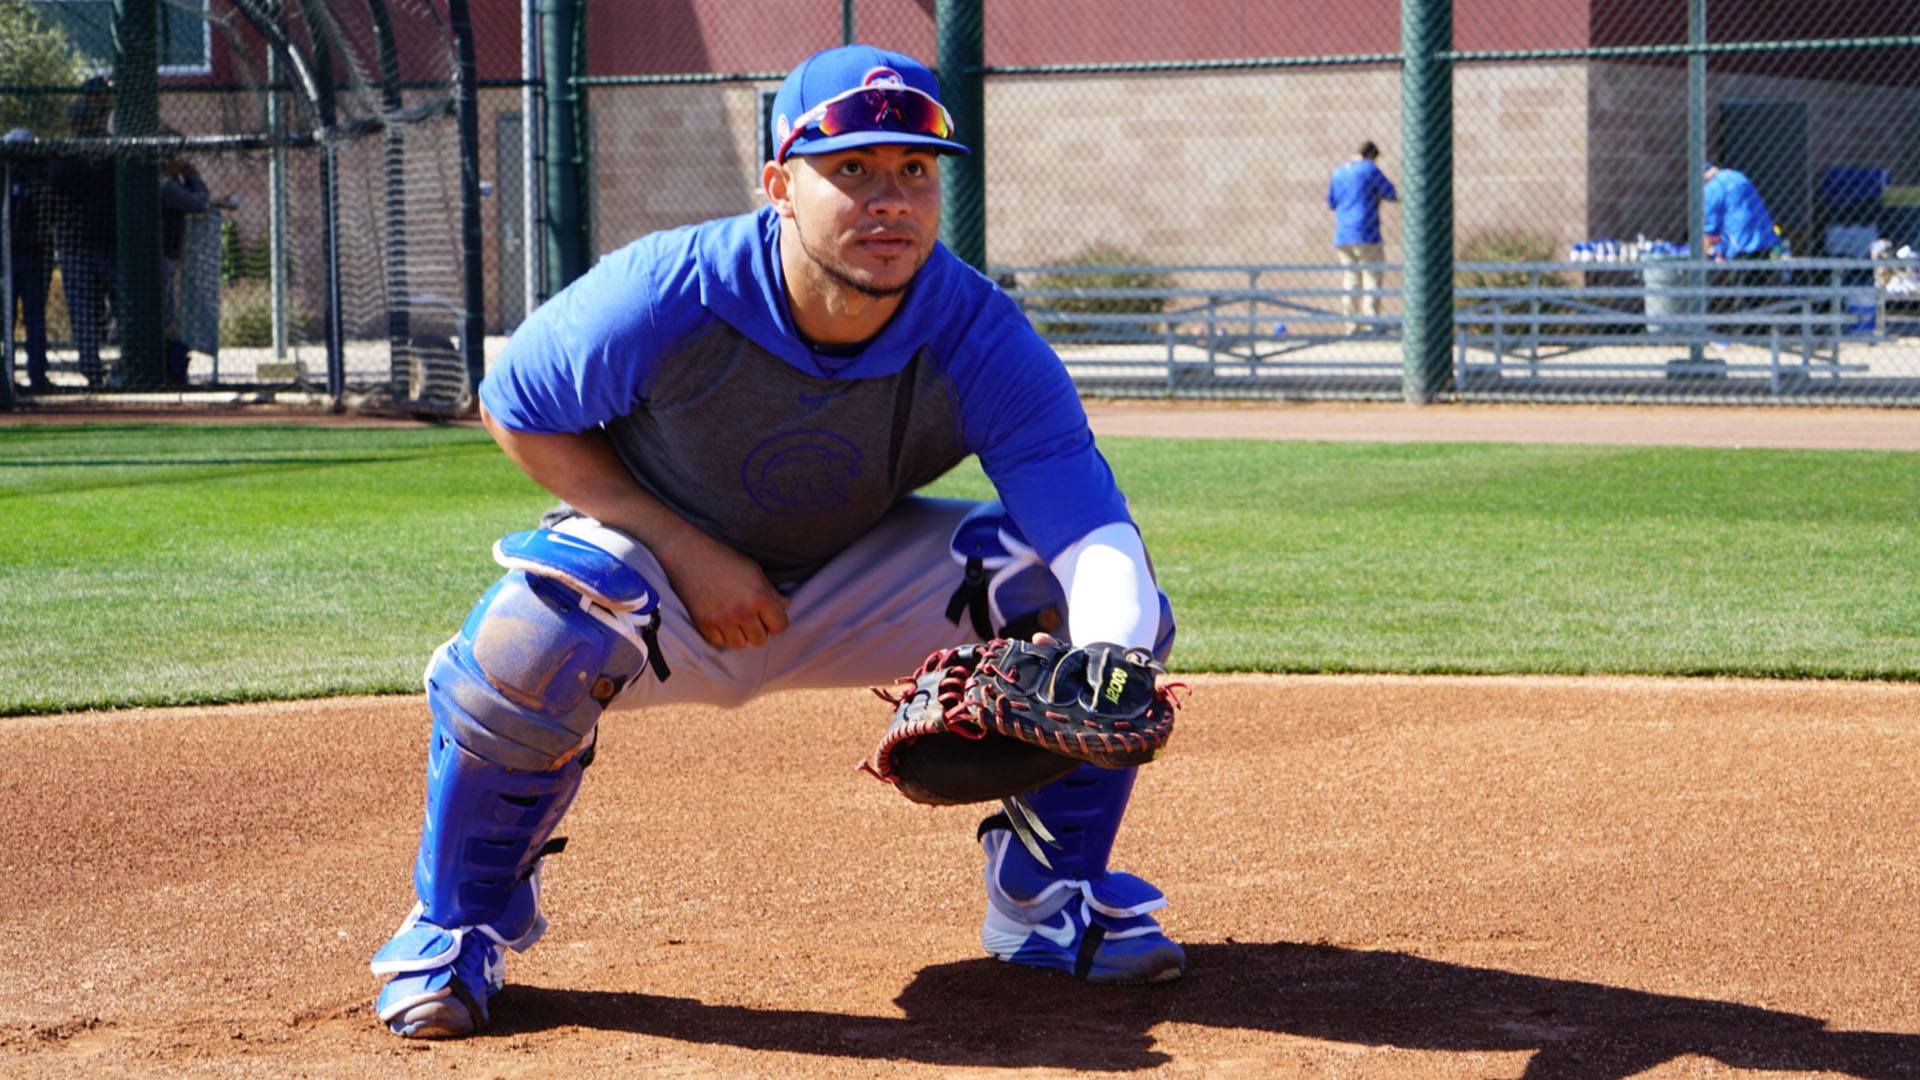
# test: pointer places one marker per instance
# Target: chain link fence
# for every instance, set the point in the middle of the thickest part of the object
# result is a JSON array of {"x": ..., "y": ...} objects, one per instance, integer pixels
[
  {"x": 1179, "y": 197},
  {"x": 679, "y": 117},
  {"x": 1595, "y": 144},
  {"x": 275, "y": 209}
]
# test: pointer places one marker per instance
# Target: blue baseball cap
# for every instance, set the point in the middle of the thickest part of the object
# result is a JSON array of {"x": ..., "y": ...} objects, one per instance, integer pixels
[{"x": 833, "y": 74}]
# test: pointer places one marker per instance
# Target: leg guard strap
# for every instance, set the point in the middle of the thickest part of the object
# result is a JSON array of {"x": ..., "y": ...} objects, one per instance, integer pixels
[{"x": 1003, "y": 585}]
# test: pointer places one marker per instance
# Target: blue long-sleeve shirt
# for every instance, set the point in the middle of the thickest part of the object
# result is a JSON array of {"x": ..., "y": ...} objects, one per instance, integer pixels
[
  {"x": 1354, "y": 196},
  {"x": 1736, "y": 216}
]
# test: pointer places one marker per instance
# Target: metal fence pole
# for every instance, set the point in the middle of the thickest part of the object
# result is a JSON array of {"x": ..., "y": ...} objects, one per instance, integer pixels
[
  {"x": 1426, "y": 104},
  {"x": 530, "y": 245},
  {"x": 6, "y": 284},
  {"x": 959, "y": 29},
  {"x": 393, "y": 160},
  {"x": 1696, "y": 160},
  {"x": 277, "y": 193},
  {"x": 846, "y": 22},
  {"x": 327, "y": 109}
]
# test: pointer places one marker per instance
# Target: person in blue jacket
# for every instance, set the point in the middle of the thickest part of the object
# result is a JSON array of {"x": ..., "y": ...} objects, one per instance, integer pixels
[
  {"x": 1737, "y": 223},
  {"x": 736, "y": 416},
  {"x": 1739, "y": 229},
  {"x": 1354, "y": 195}
]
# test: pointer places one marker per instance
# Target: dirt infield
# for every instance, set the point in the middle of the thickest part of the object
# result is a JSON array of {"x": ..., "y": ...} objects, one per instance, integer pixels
[
  {"x": 1375, "y": 877},
  {"x": 1663, "y": 425},
  {"x": 1382, "y": 877},
  {"x": 1671, "y": 425}
]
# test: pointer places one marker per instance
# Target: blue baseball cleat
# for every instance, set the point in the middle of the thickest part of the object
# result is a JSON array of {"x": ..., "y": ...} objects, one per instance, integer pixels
[
  {"x": 1075, "y": 916},
  {"x": 1098, "y": 931},
  {"x": 442, "y": 979}
]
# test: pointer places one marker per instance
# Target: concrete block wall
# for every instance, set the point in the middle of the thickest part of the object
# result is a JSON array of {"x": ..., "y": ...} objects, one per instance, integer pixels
[{"x": 1520, "y": 149}]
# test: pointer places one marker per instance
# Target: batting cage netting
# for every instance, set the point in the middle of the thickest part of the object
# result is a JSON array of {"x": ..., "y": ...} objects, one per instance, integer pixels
[{"x": 212, "y": 198}]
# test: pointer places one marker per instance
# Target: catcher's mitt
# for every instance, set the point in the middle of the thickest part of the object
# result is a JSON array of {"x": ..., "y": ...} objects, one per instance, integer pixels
[{"x": 984, "y": 722}]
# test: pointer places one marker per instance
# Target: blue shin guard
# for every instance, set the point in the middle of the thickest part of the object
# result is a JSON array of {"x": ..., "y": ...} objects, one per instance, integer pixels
[
  {"x": 477, "y": 876},
  {"x": 516, "y": 698},
  {"x": 1078, "y": 917}
]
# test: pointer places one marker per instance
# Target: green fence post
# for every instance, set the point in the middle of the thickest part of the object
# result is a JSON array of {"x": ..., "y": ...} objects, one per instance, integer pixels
[
  {"x": 566, "y": 246},
  {"x": 959, "y": 29},
  {"x": 473, "y": 331},
  {"x": 326, "y": 109},
  {"x": 136, "y": 84},
  {"x": 1426, "y": 130},
  {"x": 6, "y": 286},
  {"x": 393, "y": 160},
  {"x": 1696, "y": 162}
]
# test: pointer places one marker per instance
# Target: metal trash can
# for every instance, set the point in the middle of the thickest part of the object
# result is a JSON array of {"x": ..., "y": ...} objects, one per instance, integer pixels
[{"x": 1657, "y": 276}]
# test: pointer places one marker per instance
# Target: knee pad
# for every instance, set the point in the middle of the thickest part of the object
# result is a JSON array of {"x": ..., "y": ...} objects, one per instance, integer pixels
[
  {"x": 565, "y": 630},
  {"x": 1008, "y": 591},
  {"x": 1005, "y": 588}
]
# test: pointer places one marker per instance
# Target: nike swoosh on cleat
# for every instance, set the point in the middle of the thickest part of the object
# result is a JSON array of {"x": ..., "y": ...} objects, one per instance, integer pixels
[
  {"x": 1063, "y": 936},
  {"x": 494, "y": 971}
]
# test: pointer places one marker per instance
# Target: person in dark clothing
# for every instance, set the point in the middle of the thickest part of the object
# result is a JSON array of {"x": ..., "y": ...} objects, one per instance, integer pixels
[
  {"x": 85, "y": 208},
  {"x": 183, "y": 193},
  {"x": 30, "y": 245}
]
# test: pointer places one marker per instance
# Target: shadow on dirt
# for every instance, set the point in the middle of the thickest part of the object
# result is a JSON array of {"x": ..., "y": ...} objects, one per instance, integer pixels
[{"x": 984, "y": 1013}]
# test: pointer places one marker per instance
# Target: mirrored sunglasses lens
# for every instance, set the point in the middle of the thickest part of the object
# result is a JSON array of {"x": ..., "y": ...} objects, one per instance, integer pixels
[{"x": 885, "y": 110}]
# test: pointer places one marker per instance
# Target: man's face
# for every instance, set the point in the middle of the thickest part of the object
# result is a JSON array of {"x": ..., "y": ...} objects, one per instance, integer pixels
[{"x": 866, "y": 217}]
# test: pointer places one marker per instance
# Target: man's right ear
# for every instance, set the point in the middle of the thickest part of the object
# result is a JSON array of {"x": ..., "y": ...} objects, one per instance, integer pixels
[{"x": 777, "y": 184}]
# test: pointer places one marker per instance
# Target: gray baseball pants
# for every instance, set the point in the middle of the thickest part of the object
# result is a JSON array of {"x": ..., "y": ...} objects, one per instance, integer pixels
[{"x": 869, "y": 616}]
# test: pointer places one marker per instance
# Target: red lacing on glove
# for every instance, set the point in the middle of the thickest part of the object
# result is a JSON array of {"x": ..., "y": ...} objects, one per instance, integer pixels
[
  {"x": 947, "y": 711},
  {"x": 956, "y": 715}
]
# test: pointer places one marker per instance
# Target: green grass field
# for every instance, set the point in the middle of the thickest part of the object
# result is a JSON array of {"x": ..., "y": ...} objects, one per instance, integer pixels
[{"x": 171, "y": 564}]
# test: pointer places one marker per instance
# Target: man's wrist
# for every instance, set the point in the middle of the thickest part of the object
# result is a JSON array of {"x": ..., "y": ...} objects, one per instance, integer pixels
[{"x": 668, "y": 536}]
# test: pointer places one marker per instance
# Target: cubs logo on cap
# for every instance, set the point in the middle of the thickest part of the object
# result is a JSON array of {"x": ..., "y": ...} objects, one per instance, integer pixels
[{"x": 858, "y": 95}]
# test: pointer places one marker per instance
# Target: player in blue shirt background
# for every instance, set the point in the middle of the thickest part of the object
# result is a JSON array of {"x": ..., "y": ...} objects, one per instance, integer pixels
[
  {"x": 1737, "y": 223},
  {"x": 735, "y": 416},
  {"x": 1739, "y": 228},
  {"x": 1354, "y": 195}
]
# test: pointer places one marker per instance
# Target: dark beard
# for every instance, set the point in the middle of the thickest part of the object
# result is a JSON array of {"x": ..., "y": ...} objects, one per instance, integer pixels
[{"x": 833, "y": 270}]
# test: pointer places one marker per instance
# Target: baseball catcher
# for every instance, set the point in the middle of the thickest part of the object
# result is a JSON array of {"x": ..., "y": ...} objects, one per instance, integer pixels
[{"x": 737, "y": 418}]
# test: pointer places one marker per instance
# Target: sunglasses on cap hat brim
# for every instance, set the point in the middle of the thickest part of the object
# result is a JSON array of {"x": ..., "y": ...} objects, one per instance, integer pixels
[{"x": 900, "y": 109}]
